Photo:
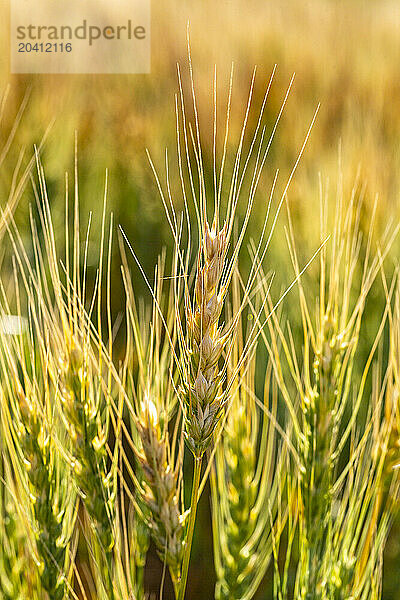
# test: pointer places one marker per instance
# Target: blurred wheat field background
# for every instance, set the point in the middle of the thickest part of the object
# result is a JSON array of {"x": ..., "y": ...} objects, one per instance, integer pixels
[{"x": 345, "y": 56}]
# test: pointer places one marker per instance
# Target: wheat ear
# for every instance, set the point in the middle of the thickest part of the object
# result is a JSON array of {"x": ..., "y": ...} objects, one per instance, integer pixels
[
  {"x": 323, "y": 384},
  {"x": 83, "y": 374},
  {"x": 159, "y": 475}
]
